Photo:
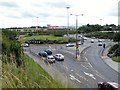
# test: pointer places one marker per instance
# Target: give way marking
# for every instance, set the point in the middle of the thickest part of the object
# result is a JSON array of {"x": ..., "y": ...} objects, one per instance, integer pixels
[
  {"x": 90, "y": 75},
  {"x": 73, "y": 78}
]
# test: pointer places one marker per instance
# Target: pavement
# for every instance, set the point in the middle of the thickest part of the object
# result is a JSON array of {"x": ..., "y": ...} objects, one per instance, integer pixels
[{"x": 114, "y": 65}]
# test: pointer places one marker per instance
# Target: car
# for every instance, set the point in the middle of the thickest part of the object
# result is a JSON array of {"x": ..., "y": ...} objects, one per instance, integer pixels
[
  {"x": 92, "y": 40},
  {"x": 48, "y": 51},
  {"x": 93, "y": 37},
  {"x": 43, "y": 54},
  {"x": 85, "y": 38},
  {"x": 70, "y": 45},
  {"x": 25, "y": 45},
  {"x": 99, "y": 40},
  {"x": 108, "y": 86},
  {"x": 50, "y": 59},
  {"x": 59, "y": 57},
  {"x": 100, "y": 44}
]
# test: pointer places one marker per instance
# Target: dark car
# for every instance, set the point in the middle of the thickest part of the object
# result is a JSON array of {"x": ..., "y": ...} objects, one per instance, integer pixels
[
  {"x": 100, "y": 44},
  {"x": 108, "y": 86},
  {"x": 48, "y": 51},
  {"x": 43, "y": 54}
]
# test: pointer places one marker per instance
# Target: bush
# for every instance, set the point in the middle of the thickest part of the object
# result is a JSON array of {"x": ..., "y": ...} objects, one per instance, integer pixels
[
  {"x": 11, "y": 47},
  {"x": 116, "y": 59},
  {"x": 72, "y": 40},
  {"x": 115, "y": 50}
]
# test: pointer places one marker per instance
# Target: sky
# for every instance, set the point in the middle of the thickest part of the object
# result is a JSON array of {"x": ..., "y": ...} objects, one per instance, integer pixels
[{"x": 26, "y": 13}]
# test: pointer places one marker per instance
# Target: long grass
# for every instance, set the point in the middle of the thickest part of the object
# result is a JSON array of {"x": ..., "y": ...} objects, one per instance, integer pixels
[{"x": 30, "y": 75}]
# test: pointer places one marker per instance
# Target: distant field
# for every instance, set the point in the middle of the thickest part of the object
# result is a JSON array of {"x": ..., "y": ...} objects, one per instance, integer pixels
[{"x": 43, "y": 37}]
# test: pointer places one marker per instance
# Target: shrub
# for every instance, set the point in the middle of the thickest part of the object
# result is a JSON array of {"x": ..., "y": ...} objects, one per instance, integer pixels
[{"x": 115, "y": 50}]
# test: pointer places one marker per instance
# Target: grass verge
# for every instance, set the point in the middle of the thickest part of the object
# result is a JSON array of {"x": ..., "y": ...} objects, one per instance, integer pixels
[
  {"x": 44, "y": 37},
  {"x": 30, "y": 75},
  {"x": 116, "y": 59}
]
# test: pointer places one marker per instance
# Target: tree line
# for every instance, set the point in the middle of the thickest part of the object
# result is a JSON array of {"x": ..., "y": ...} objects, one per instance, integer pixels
[{"x": 11, "y": 47}]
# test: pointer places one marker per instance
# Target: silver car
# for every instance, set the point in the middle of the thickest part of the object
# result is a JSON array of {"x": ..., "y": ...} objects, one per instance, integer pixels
[
  {"x": 50, "y": 59},
  {"x": 59, "y": 57}
]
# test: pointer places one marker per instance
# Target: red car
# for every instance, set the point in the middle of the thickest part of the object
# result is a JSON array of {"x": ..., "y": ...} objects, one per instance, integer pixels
[{"x": 108, "y": 86}]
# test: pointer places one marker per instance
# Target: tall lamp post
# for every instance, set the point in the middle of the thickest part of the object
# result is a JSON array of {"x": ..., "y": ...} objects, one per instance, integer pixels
[
  {"x": 37, "y": 25},
  {"x": 77, "y": 50},
  {"x": 101, "y": 22},
  {"x": 68, "y": 20}
]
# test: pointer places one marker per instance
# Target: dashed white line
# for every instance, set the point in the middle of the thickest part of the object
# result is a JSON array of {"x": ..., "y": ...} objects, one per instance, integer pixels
[
  {"x": 90, "y": 75},
  {"x": 90, "y": 65},
  {"x": 66, "y": 67},
  {"x": 99, "y": 76},
  {"x": 81, "y": 76},
  {"x": 88, "y": 62},
  {"x": 86, "y": 59},
  {"x": 73, "y": 78},
  {"x": 84, "y": 66}
]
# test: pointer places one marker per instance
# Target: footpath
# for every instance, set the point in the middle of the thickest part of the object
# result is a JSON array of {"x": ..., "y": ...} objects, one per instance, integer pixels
[{"x": 114, "y": 65}]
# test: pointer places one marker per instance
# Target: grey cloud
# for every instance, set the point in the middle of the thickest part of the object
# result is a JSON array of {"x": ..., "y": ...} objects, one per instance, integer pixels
[
  {"x": 27, "y": 14},
  {"x": 15, "y": 16},
  {"x": 9, "y": 4},
  {"x": 114, "y": 11},
  {"x": 57, "y": 4}
]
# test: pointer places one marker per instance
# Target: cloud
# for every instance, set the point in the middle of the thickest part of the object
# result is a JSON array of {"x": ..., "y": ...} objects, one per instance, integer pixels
[
  {"x": 57, "y": 4},
  {"x": 9, "y": 4},
  {"x": 52, "y": 4},
  {"x": 55, "y": 12}
]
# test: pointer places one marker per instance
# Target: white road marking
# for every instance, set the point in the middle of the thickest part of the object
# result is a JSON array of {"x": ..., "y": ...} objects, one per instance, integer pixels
[
  {"x": 73, "y": 78},
  {"x": 86, "y": 59},
  {"x": 99, "y": 76},
  {"x": 71, "y": 70},
  {"x": 84, "y": 66},
  {"x": 53, "y": 49},
  {"x": 69, "y": 52},
  {"x": 88, "y": 62},
  {"x": 66, "y": 67},
  {"x": 90, "y": 65},
  {"x": 90, "y": 75},
  {"x": 81, "y": 76},
  {"x": 50, "y": 47}
]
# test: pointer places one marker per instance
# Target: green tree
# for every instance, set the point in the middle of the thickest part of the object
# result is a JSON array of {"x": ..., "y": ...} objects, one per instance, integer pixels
[{"x": 116, "y": 37}]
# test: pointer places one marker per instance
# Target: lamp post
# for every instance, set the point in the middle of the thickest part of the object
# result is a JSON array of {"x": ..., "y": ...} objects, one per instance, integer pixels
[
  {"x": 77, "y": 50},
  {"x": 68, "y": 20},
  {"x": 101, "y": 22},
  {"x": 37, "y": 25}
]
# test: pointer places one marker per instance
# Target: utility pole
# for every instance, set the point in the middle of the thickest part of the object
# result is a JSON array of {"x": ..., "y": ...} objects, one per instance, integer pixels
[
  {"x": 68, "y": 20},
  {"x": 77, "y": 50},
  {"x": 101, "y": 22},
  {"x": 37, "y": 25}
]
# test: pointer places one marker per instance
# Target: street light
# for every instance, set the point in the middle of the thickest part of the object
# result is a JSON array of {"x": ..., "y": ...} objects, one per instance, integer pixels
[
  {"x": 37, "y": 25},
  {"x": 77, "y": 50},
  {"x": 101, "y": 22},
  {"x": 67, "y": 20}
]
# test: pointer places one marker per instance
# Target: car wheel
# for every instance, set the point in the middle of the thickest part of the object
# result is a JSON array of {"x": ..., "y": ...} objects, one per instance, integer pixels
[{"x": 99, "y": 87}]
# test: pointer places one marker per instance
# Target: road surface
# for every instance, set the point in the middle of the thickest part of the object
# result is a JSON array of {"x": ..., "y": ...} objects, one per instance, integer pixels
[{"x": 85, "y": 73}]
